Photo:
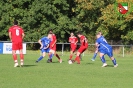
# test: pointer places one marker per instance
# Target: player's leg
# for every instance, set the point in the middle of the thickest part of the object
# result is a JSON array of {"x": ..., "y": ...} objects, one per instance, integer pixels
[
  {"x": 94, "y": 56},
  {"x": 80, "y": 51},
  {"x": 77, "y": 58},
  {"x": 80, "y": 56},
  {"x": 54, "y": 49},
  {"x": 21, "y": 54},
  {"x": 14, "y": 48},
  {"x": 71, "y": 55},
  {"x": 103, "y": 59},
  {"x": 42, "y": 56},
  {"x": 57, "y": 56},
  {"x": 59, "y": 59},
  {"x": 114, "y": 61},
  {"x": 73, "y": 49},
  {"x": 51, "y": 54},
  {"x": 83, "y": 49},
  {"x": 15, "y": 58},
  {"x": 110, "y": 54},
  {"x": 21, "y": 57}
]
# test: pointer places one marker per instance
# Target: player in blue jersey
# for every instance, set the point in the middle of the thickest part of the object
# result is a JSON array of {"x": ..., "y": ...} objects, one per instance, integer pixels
[
  {"x": 104, "y": 48},
  {"x": 45, "y": 43}
]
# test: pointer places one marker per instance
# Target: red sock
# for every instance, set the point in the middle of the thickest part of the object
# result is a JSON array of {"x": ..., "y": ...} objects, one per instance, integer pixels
[
  {"x": 21, "y": 57},
  {"x": 77, "y": 59},
  {"x": 15, "y": 58},
  {"x": 71, "y": 56},
  {"x": 57, "y": 56}
]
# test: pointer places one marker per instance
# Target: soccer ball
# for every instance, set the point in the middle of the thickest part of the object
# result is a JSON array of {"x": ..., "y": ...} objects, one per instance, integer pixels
[{"x": 70, "y": 62}]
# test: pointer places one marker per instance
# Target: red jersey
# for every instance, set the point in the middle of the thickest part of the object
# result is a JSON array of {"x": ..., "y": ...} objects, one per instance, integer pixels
[
  {"x": 16, "y": 33},
  {"x": 73, "y": 40},
  {"x": 83, "y": 41},
  {"x": 53, "y": 39}
]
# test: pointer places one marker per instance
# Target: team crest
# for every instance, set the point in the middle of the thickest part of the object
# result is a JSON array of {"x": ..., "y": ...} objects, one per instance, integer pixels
[{"x": 124, "y": 7}]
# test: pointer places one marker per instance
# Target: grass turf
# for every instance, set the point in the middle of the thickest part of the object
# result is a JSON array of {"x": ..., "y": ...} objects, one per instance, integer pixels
[{"x": 55, "y": 75}]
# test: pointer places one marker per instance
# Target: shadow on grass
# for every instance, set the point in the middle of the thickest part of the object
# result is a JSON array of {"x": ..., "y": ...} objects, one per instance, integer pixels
[
  {"x": 29, "y": 65},
  {"x": 57, "y": 62},
  {"x": 110, "y": 65},
  {"x": 89, "y": 63}
]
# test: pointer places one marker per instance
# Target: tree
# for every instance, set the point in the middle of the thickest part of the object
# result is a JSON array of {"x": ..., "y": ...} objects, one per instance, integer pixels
[{"x": 89, "y": 16}]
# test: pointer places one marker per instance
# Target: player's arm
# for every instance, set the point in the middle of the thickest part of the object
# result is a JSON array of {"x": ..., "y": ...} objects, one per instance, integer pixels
[
  {"x": 76, "y": 41},
  {"x": 46, "y": 46},
  {"x": 83, "y": 41},
  {"x": 96, "y": 51},
  {"x": 10, "y": 36},
  {"x": 40, "y": 42},
  {"x": 69, "y": 39},
  {"x": 23, "y": 35},
  {"x": 96, "y": 45}
]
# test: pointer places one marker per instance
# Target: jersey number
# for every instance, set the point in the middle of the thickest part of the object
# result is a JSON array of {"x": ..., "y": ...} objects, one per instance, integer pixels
[
  {"x": 104, "y": 40},
  {"x": 17, "y": 32}
]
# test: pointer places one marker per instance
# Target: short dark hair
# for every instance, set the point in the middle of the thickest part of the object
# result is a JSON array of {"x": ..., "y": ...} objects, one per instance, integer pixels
[
  {"x": 71, "y": 31},
  {"x": 50, "y": 31},
  {"x": 15, "y": 22},
  {"x": 99, "y": 33},
  {"x": 79, "y": 33}
]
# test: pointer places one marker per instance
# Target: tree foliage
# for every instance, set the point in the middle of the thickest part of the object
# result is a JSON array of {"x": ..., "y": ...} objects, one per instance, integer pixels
[{"x": 38, "y": 16}]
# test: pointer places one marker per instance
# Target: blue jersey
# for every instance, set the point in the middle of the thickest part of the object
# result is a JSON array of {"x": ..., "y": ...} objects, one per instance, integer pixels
[
  {"x": 103, "y": 45},
  {"x": 45, "y": 41}
]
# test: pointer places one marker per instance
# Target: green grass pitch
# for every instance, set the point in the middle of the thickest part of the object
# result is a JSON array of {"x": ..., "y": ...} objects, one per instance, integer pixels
[{"x": 55, "y": 75}]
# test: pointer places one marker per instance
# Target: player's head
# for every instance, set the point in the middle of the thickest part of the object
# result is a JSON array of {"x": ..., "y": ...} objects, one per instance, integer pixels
[
  {"x": 100, "y": 32},
  {"x": 49, "y": 35},
  {"x": 98, "y": 35},
  {"x": 79, "y": 34},
  {"x": 15, "y": 22},
  {"x": 71, "y": 34}
]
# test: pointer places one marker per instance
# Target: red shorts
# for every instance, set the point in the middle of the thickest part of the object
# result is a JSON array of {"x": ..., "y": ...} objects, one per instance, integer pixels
[
  {"x": 17, "y": 45},
  {"x": 82, "y": 49},
  {"x": 53, "y": 48},
  {"x": 73, "y": 48}
]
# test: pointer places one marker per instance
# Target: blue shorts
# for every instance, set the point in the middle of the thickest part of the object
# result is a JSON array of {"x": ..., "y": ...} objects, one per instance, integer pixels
[
  {"x": 45, "y": 50},
  {"x": 108, "y": 51}
]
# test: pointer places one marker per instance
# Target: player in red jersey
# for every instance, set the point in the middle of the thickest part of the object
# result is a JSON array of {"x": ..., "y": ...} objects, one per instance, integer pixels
[
  {"x": 83, "y": 46},
  {"x": 53, "y": 46},
  {"x": 73, "y": 44},
  {"x": 16, "y": 35}
]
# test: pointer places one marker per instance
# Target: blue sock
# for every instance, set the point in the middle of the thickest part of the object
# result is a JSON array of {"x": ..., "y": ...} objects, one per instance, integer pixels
[
  {"x": 40, "y": 58},
  {"x": 103, "y": 59},
  {"x": 51, "y": 56},
  {"x": 94, "y": 57},
  {"x": 114, "y": 61}
]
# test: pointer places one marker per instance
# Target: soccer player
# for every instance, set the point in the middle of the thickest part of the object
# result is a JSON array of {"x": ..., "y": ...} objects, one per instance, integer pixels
[
  {"x": 73, "y": 44},
  {"x": 45, "y": 44},
  {"x": 104, "y": 48},
  {"x": 83, "y": 47},
  {"x": 53, "y": 46},
  {"x": 16, "y": 35}
]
